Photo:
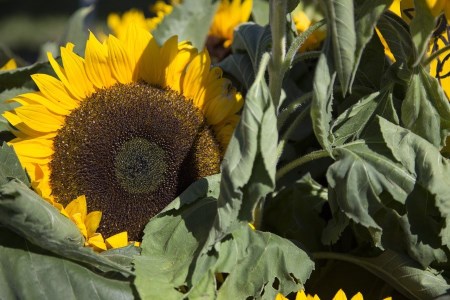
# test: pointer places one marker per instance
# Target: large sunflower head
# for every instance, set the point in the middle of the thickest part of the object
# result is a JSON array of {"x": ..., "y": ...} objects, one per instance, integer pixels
[{"x": 130, "y": 125}]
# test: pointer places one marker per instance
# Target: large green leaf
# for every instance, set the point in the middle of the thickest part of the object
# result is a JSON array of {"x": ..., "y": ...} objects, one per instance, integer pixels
[
  {"x": 21, "y": 77},
  {"x": 30, "y": 272},
  {"x": 392, "y": 185},
  {"x": 189, "y": 20},
  {"x": 248, "y": 168},
  {"x": 240, "y": 67},
  {"x": 256, "y": 261},
  {"x": 10, "y": 166},
  {"x": 24, "y": 212},
  {"x": 321, "y": 106},
  {"x": 367, "y": 14},
  {"x": 254, "y": 40},
  {"x": 426, "y": 110},
  {"x": 173, "y": 239},
  {"x": 341, "y": 29},
  {"x": 354, "y": 121},
  {"x": 294, "y": 213}
]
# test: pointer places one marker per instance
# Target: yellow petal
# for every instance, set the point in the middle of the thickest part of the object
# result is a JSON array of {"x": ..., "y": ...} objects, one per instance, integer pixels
[
  {"x": 92, "y": 222},
  {"x": 168, "y": 52},
  {"x": 136, "y": 40},
  {"x": 62, "y": 76},
  {"x": 33, "y": 147},
  {"x": 176, "y": 69},
  {"x": 117, "y": 240},
  {"x": 54, "y": 90},
  {"x": 76, "y": 73},
  {"x": 97, "y": 242},
  {"x": 38, "y": 118},
  {"x": 118, "y": 60},
  {"x": 340, "y": 295},
  {"x": 39, "y": 98},
  {"x": 301, "y": 295},
  {"x": 78, "y": 220},
  {"x": 358, "y": 296},
  {"x": 280, "y": 297},
  {"x": 78, "y": 206},
  {"x": 149, "y": 67},
  {"x": 97, "y": 67},
  {"x": 194, "y": 80}
]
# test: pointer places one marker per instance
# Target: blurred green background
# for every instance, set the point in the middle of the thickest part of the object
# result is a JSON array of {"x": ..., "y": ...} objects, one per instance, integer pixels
[{"x": 27, "y": 25}]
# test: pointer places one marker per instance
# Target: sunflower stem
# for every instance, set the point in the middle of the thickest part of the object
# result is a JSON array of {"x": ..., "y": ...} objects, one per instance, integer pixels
[
  {"x": 436, "y": 55},
  {"x": 300, "y": 161},
  {"x": 277, "y": 20}
]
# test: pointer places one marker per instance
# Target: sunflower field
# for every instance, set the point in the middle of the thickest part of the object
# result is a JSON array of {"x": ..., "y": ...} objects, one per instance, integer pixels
[{"x": 225, "y": 149}]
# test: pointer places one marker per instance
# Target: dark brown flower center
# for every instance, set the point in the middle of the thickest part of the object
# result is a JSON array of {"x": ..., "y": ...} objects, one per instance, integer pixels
[{"x": 131, "y": 149}]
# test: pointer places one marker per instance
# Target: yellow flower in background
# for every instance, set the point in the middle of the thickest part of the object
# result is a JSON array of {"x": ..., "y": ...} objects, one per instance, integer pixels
[
  {"x": 119, "y": 23},
  {"x": 10, "y": 65},
  {"x": 439, "y": 6},
  {"x": 230, "y": 14},
  {"x": 302, "y": 23},
  {"x": 130, "y": 125},
  {"x": 340, "y": 295}
]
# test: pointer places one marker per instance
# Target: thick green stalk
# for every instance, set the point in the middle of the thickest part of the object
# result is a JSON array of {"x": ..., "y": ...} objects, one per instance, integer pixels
[{"x": 277, "y": 19}]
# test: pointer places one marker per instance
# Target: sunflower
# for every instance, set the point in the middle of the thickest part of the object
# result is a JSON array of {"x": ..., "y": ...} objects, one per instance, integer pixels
[
  {"x": 129, "y": 126},
  {"x": 230, "y": 14},
  {"x": 119, "y": 23}
]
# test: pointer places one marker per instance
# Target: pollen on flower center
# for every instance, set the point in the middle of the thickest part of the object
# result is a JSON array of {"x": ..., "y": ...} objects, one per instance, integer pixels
[{"x": 131, "y": 149}]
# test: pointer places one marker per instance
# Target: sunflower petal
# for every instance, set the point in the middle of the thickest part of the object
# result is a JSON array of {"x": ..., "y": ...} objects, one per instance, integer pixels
[
  {"x": 38, "y": 118},
  {"x": 97, "y": 241},
  {"x": 118, "y": 60},
  {"x": 92, "y": 222},
  {"x": 77, "y": 206},
  {"x": 76, "y": 73},
  {"x": 97, "y": 67},
  {"x": 118, "y": 240}
]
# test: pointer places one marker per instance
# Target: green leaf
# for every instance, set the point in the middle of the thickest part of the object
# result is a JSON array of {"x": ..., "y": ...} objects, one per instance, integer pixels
[
  {"x": 367, "y": 15},
  {"x": 24, "y": 212},
  {"x": 264, "y": 259},
  {"x": 374, "y": 65},
  {"x": 321, "y": 105},
  {"x": 172, "y": 240},
  {"x": 396, "y": 33},
  {"x": 30, "y": 272},
  {"x": 429, "y": 169},
  {"x": 76, "y": 31},
  {"x": 240, "y": 67},
  {"x": 10, "y": 166},
  {"x": 354, "y": 121},
  {"x": 254, "y": 40},
  {"x": 249, "y": 165},
  {"x": 426, "y": 110},
  {"x": 421, "y": 27},
  {"x": 294, "y": 213},
  {"x": 20, "y": 77},
  {"x": 189, "y": 20},
  {"x": 341, "y": 29},
  {"x": 391, "y": 185},
  {"x": 400, "y": 272},
  {"x": 260, "y": 12}
]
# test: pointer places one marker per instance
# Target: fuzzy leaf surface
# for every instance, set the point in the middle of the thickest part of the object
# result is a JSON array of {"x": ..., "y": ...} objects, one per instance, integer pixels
[
  {"x": 190, "y": 21},
  {"x": 10, "y": 166},
  {"x": 24, "y": 212},
  {"x": 30, "y": 272},
  {"x": 426, "y": 109},
  {"x": 341, "y": 26}
]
